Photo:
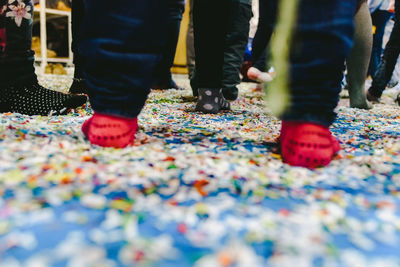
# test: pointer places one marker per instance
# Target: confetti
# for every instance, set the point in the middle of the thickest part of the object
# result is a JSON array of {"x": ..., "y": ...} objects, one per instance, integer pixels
[{"x": 198, "y": 190}]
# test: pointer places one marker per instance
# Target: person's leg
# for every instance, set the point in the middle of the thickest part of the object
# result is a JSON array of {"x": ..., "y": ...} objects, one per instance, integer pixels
[
  {"x": 77, "y": 13},
  {"x": 379, "y": 19},
  {"x": 122, "y": 43},
  {"x": 322, "y": 41},
  {"x": 385, "y": 70},
  {"x": 258, "y": 71},
  {"x": 235, "y": 46},
  {"x": 358, "y": 59},
  {"x": 210, "y": 25},
  {"x": 190, "y": 55},
  {"x": 19, "y": 88},
  {"x": 266, "y": 24},
  {"x": 163, "y": 70}
]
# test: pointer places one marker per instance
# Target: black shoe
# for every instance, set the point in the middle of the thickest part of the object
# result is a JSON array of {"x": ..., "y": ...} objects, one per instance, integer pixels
[
  {"x": 166, "y": 85},
  {"x": 230, "y": 93},
  {"x": 78, "y": 86},
  {"x": 211, "y": 100},
  {"x": 372, "y": 96},
  {"x": 36, "y": 100},
  {"x": 398, "y": 99}
]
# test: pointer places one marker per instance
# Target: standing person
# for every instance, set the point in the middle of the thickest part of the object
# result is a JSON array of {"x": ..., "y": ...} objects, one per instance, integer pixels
[
  {"x": 220, "y": 39},
  {"x": 163, "y": 70},
  {"x": 122, "y": 44},
  {"x": 20, "y": 91},
  {"x": 385, "y": 70}
]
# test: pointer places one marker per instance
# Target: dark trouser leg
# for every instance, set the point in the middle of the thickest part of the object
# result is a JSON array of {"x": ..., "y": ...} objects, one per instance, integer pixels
[
  {"x": 78, "y": 13},
  {"x": 267, "y": 12},
  {"x": 322, "y": 41},
  {"x": 235, "y": 47},
  {"x": 210, "y": 25},
  {"x": 379, "y": 20},
  {"x": 163, "y": 69},
  {"x": 190, "y": 55},
  {"x": 388, "y": 63},
  {"x": 16, "y": 62},
  {"x": 122, "y": 43}
]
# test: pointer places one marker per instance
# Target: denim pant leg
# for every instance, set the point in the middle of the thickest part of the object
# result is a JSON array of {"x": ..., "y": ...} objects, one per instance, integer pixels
[
  {"x": 16, "y": 61},
  {"x": 322, "y": 41},
  {"x": 122, "y": 43},
  {"x": 379, "y": 20},
  {"x": 163, "y": 69},
  {"x": 389, "y": 60}
]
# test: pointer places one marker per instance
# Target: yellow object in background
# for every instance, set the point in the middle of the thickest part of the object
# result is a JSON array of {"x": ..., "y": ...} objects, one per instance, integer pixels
[
  {"x": 36, "y": 46},
  {"x": 180, "y": 61},
  {"x": 57, "y": 69},
  {"x": 373, "y": 29}
]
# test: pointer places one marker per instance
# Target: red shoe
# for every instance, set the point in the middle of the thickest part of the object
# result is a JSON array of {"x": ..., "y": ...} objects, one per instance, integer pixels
[
  {"x": 307, "y": 144},
  {"x": 110, "y": 131}
]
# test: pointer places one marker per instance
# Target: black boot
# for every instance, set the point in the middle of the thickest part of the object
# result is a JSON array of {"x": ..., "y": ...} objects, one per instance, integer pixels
[
  {"x": 34, "y": 99},
  {"x": 78, "y": 86}
]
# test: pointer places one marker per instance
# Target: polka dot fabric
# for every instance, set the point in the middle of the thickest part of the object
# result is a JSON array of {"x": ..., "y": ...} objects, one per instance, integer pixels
[
  {"x": 211, "y": 101},
  {"x": 37, "y": 100}
]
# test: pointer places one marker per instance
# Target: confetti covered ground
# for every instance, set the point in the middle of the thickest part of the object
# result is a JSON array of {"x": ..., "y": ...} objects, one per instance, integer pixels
[{"x": 198, "y": 190}]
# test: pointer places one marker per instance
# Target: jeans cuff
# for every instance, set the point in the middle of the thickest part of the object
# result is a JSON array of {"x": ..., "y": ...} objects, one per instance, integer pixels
[{"x": 321, "y": 119}]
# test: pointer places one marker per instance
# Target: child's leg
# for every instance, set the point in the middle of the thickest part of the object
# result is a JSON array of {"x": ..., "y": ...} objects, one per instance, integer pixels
[
  {"x": 235, "y": 46},
  {"x": 19, "y": 89},
  {"x": 122, "y": 43},
  {"x": 78, "y": 13},
  {"x": 163, "y": 74},
  {"x": 265, "y": 28},
  {"x": 358, "y": 59},
  {"x": 323, "y": 40},
  {"x": 210, "y": 26}
]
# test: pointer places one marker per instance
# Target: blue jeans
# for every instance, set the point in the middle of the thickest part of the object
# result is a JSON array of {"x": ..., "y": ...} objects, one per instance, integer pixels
[
  {"x": 322, "y": 41},
  {"x": 379, "y": 19},
  {"x": 122, "y": 42}
]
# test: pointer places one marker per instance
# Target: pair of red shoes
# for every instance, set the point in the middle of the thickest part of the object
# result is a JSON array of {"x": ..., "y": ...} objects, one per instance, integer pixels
[{"x": 302, "y": 144}]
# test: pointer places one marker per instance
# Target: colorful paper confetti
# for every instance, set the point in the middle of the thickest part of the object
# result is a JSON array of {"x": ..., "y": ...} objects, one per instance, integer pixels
[{"x": 197, "y": 190}]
